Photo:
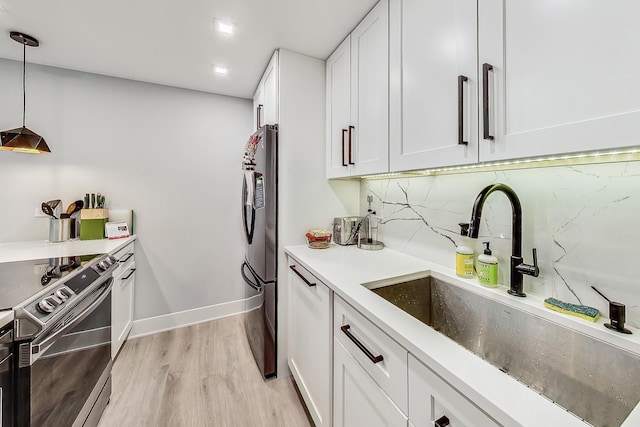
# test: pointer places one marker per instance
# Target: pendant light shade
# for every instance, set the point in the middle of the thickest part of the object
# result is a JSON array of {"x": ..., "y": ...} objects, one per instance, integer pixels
[{"x": 21, "y": 139}]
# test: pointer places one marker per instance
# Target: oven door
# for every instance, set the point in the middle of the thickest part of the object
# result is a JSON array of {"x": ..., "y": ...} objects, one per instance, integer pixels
[{"x": 64, "y": 375}]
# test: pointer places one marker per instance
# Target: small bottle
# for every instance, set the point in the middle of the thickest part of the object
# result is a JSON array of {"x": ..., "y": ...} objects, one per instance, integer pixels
[
  {"x": 487, "y": 268},
  {"x": 464, "y": 261}
]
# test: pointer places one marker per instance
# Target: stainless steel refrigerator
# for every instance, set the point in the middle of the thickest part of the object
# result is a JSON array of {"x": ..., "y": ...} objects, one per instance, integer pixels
[{"x": 260, "y": 224}]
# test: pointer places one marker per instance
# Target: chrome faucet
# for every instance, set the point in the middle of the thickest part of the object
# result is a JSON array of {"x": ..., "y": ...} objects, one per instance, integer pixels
[{"x": 518, "y": 267}]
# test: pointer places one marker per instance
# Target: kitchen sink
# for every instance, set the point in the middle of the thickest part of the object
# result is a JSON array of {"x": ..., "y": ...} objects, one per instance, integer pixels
[{"x": 596, "y": 381}]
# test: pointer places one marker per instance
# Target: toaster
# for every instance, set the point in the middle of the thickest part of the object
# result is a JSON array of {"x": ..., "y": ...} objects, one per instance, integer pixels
[{"x": 347, "y": 228}]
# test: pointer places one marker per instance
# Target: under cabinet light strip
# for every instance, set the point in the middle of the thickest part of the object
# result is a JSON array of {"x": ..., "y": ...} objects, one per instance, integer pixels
[{"x": 527, "y": 163}]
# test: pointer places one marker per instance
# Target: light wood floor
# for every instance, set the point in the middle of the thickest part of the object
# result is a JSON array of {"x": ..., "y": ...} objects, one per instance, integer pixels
[{"x": 201, "y": 375}]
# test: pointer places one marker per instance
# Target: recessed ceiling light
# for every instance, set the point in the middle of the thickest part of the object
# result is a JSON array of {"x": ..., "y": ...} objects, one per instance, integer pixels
[
  {"x": 224, "y": 27},
  {"x": 220, "y": 70}
]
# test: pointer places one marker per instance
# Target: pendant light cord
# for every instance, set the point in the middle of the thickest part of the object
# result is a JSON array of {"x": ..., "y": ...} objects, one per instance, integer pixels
[{"x": 24, "y": 91}]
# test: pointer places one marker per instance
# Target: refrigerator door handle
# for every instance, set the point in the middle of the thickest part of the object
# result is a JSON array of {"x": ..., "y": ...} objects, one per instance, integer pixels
[
  {"x": 247, "y": 280},
  {"x": 248, "y": 230}
]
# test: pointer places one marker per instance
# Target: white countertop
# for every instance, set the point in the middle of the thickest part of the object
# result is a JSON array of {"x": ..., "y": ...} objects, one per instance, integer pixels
[
  {"x": 345, "y": 268},
  {"x": 37, "y": 249},
  {"x": 22, "y": 251},
  {"x": 5, "y": 317}
]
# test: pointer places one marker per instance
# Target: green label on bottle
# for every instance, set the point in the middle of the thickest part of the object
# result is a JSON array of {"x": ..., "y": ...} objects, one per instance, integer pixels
[{"x": 488, "y": 274}]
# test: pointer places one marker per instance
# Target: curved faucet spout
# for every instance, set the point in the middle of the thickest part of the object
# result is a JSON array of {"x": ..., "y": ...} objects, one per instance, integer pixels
[
  {"x": 518, "y": 267},
  {"x": 516, "y": 209}
]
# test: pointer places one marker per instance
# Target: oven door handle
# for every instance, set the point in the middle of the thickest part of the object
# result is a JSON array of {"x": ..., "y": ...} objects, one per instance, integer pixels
[{"x": 38, "y": 348}]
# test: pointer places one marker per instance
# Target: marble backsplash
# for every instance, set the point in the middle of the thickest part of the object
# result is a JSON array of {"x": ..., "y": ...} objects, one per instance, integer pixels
[{"x": 582, "y": 220}]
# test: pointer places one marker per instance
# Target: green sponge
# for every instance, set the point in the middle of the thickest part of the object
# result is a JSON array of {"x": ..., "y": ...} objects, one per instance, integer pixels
[{"x": 582, "y": 311}]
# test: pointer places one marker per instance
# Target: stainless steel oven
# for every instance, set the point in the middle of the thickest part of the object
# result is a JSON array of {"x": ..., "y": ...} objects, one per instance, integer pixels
[{"x": 63, "y": 350}]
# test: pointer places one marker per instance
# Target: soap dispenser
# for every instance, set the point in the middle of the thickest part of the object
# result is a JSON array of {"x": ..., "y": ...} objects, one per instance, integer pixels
[{"x": 487, "y": 267}]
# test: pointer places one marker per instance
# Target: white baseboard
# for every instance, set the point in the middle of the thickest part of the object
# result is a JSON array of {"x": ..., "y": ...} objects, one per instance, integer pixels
[{"x": 167, "y": 322}]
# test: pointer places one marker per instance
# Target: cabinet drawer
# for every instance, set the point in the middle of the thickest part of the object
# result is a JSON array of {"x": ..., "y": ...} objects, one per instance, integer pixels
[
  {"x": 125, "y": 256},
  {"x": 380, "y": 356},
  {"x": 431, "y": 398}
]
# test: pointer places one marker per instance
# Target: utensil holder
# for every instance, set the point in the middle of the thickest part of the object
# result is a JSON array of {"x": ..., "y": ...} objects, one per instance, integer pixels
[{"x": 59, "y": 229}]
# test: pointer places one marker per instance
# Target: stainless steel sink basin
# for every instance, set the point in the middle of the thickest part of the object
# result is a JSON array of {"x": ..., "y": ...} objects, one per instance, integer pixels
[{"x": 594, "y": 380}]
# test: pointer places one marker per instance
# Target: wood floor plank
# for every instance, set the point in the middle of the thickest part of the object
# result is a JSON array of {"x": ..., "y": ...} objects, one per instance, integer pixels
[{"x": 201, "y": 375}]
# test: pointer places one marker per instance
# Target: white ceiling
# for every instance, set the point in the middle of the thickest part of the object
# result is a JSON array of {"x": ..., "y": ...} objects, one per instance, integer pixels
[{"x": 173, "y": 42}]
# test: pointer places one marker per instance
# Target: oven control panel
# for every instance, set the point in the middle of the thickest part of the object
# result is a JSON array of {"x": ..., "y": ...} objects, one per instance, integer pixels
[
  {"x": 48, "y": 307},
  {"x": 51, "y": 302}
]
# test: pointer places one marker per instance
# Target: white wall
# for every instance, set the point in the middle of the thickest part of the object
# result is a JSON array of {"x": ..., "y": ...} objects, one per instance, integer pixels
[
  {"x": 172, "y": 155},
  {"x": 581, "y": 219},
  {"x": 306, "y": 199}
]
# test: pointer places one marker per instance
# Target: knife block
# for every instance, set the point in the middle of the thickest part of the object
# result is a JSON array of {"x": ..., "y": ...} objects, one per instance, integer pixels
[{"x": 92, "y": 223}]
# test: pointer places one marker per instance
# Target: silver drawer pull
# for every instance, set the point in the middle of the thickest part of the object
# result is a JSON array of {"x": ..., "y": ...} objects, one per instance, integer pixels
[{"x": 365, "y": 350}]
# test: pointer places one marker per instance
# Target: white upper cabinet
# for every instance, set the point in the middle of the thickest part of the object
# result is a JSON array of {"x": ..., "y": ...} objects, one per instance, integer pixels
[
  {"x": 561, "y": 76},
  {"x": 338, "y": 110},
  {"x": 358, "y": 99},
  {"x": 433, "y": 78},
  {"x": 370, "y": 91},
  {"x": 271, "y": 92},
  {"x": 265, "y": 98}
]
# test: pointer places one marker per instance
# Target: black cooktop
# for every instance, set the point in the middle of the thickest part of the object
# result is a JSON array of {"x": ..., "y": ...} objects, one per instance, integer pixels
[{"x": 20, "y": 280}]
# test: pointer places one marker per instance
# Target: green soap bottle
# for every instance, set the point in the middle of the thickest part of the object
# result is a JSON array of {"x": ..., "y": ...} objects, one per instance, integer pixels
[{"x": 487, "y": 267}]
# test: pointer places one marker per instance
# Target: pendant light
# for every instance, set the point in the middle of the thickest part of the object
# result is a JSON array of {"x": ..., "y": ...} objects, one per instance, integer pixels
[{"x": 21, "y": 139}]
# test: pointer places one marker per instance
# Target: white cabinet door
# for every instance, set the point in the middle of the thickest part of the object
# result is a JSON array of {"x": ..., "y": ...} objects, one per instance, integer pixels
[
  {"x": 564, "y": 76},
  {"x": 310, "y": 341},
  {"x": 122, "y": 307},
  {"x": 370, "y": 92},
  {"x": 270, "y": 80},
  {"x": 434, "y": 83},
  {"x": 432, "y": 399},
  {"x": 357, "y": 399},
  {"x": 265, "y": 98},
  {"x": 338, "y": 110}
]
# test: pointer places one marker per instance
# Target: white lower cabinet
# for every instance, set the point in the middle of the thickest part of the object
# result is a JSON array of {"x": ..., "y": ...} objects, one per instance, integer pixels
[
  {"x": 122, "y": 297},
  {"x": 433, "y": 402},
  {"x": 310, "y": 341},
  {"x": 381, "y": 357},
  {"x": 358, "y": 400},
  {"x": 369, "y": 372},
  {"x": 351, "y": 373}
]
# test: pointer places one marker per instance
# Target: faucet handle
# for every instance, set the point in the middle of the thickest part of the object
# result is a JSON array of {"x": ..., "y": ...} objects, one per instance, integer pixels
[
  {"x": 464, "y": 228},
  {"x": 530, "y": 270}
]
